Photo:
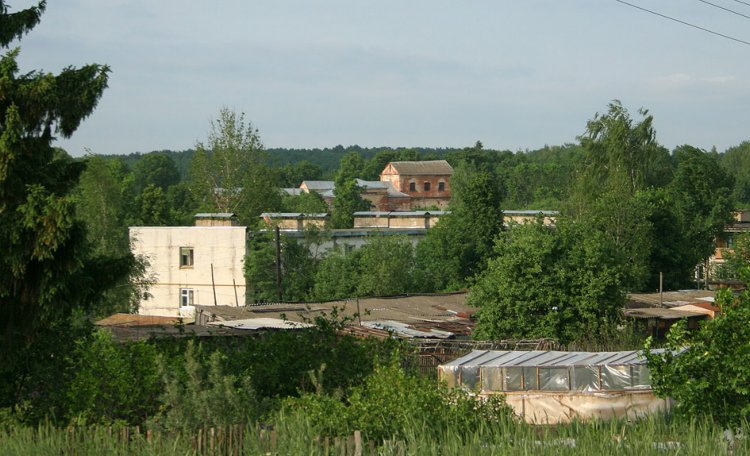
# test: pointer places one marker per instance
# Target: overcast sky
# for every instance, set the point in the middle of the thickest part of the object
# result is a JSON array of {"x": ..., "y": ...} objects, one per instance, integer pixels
[{"x": 514, "y": 75}]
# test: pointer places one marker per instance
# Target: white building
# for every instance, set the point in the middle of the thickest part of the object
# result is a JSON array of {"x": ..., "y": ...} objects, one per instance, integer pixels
[{"x": 192, "y": 265}]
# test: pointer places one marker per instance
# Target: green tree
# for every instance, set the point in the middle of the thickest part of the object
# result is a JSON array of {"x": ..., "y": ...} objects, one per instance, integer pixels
[
  {"x": 152, "y": 207},
  {"x": 708, "y": 372},
  {"x": 736, "y": 161},
  {"x": 292, "y": 174},
  {"x": 298, "y": 266},
  {"x": 230, "y": 174},
  {"x": 347, "y": 194},
  {"x": 305, "y": 203},
  {"x": 561, "y": 282},
  {"x": 156, "y": 168},
  {"x": 46, "y": 270},
  {"x": 112, "y": 381},
  {"x": 100, "y": 205},
  {"x": 459, "y": 246},
  {"x": 701, "y": 192},
  {"x": 387, "y": 265},
  {"x": 622, "y": 153},
  {"x": 337, "y": 276}
]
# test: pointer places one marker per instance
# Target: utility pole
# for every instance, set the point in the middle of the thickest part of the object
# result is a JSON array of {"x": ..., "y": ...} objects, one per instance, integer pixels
[{"x": 278, "y": 264}]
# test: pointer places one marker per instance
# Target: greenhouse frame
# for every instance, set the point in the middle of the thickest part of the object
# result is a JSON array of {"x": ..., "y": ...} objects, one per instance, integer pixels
[{"x": 557, "y": 386}]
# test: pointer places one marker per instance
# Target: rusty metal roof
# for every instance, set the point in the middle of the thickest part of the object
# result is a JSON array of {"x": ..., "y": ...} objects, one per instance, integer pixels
[
  {"x": 661, "y": 313},
  {"x": 123, "y": 319},
  {"x": 425, "y": 313}
]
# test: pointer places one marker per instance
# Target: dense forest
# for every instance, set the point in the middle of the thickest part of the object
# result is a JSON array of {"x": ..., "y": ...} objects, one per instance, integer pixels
[{"x": 631, "y": 211}]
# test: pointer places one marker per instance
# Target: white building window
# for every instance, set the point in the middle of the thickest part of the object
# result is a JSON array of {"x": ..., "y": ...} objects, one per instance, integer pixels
[
  {"x": 186, "y": 297},
  {"x": 186, "y": 257}
]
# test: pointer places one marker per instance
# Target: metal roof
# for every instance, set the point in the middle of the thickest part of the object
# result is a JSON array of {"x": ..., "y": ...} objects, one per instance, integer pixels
[
  {"x": 215, "y": 215},
  {"x": 261, "y": 323},
  {"x": 496, "y": 358},
  {"x": 427, "y": 167},
  {"x": 407, "y": 330},
  {"x": 670, "y": 298},
  {"x": 293, "y": 215},
  {"x": 661, "y": 313},
  {"x": 318, "y": 185},
  {"x": 530, "y": 212},
  {"x": 398, "y": 213}
]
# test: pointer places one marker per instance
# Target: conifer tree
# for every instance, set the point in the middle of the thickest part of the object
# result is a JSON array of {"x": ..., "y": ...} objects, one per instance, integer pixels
[{"x": 45, "y": 268}]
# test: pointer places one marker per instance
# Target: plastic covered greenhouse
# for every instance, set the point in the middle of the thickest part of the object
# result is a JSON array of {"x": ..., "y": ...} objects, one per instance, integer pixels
[{"x": 555, "y": 386}]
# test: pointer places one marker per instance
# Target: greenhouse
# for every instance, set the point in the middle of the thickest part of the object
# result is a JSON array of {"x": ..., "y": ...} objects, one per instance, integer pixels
[{"x": 555, "y": 386}]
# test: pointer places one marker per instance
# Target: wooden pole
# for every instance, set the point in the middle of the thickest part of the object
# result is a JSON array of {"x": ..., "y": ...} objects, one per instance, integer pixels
[
  {"x": 661, "y": 289},
  {"x": 236, "y": 301},
  {"x": 278, "y": 264},
  {"x": 213, "y": 284}
]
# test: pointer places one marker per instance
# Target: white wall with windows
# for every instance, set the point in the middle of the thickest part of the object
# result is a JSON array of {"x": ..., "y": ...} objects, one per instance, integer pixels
[{"x": 189, "y": 265}]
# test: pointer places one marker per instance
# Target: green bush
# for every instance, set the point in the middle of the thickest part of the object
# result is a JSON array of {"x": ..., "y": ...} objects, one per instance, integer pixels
[
  {"x": 391, "y": 403},
  {"x": 204, "y": 395},
  {"x": 112, "y": 381},
  {"x": 708, "y": 372}
]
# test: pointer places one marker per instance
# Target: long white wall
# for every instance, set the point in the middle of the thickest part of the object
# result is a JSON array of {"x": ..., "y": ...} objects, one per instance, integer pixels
[{"x": 221, "y": 246}]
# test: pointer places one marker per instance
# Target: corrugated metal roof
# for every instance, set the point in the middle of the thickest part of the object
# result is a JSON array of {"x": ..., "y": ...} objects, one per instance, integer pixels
[
  {"x": 261, "y": 323},
  {"x": 661, "y": 313},
  {"x": 669, "y": 298},
  {"x": 427, "y": 167},
  {"x": 407, "y": 330},
  {"x": 422, "y": 313},
  {"x": 548, "y": 358}
]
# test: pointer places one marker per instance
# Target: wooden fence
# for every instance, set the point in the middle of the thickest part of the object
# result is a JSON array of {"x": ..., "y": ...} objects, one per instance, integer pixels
[{"x": 210, "y": 441}]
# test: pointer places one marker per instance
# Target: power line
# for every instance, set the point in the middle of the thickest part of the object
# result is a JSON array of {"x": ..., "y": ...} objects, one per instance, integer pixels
[
  {"x": 725, "y": 9},
  {"x": 684, "y": 23},
  {"x": 744, "y": 3}
]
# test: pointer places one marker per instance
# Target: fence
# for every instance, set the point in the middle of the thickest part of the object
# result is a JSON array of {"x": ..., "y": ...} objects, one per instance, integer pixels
[
  {"x": 211, "y": 441},
  {"x": 428, "y": 354}
]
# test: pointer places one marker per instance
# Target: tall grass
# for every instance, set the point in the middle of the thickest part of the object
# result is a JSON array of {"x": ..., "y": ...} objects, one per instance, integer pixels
[{"x": 294, "y": 435}]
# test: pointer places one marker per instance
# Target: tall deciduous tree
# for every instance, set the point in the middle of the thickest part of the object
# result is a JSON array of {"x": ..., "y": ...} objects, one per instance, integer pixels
[
  {"x": 45, "y": 268},
  {"x": 347, "y": 194},
  {"x": 459, "y": 246},
  {"x": 561, "y": 282},
  {"x": 229, "y": 173}
]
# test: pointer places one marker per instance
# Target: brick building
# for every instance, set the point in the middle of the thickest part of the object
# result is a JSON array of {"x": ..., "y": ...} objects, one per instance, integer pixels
[{"x": 426, "y": 182}]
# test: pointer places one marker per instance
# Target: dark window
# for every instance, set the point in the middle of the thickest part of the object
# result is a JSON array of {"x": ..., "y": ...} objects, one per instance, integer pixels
[
  {"x": 186, "y": 257},
  {"x": 441, "y": 186},
  {"x": 427, "y": 186},
  {"x": 412, "y": 187}
]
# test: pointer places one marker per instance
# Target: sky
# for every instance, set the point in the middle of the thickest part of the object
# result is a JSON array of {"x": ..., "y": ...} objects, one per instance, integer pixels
[{"x": 312, "y": 74}]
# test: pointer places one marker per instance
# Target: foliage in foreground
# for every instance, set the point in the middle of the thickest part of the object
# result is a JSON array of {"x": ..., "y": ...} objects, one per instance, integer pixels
[
  {"x": 390, "y": 402},
  {"x": 708, "y": 372},
  {"x": 294, "y": 434}
]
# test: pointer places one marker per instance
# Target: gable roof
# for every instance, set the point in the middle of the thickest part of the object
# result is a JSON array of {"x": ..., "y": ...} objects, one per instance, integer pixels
[
  {"x": 417, "y": 168},
  {"x": 318, "y": 185}
]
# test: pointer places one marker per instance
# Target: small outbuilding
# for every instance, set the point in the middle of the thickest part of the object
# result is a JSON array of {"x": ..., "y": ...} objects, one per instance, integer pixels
[{"x": 549, "y": 387}]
